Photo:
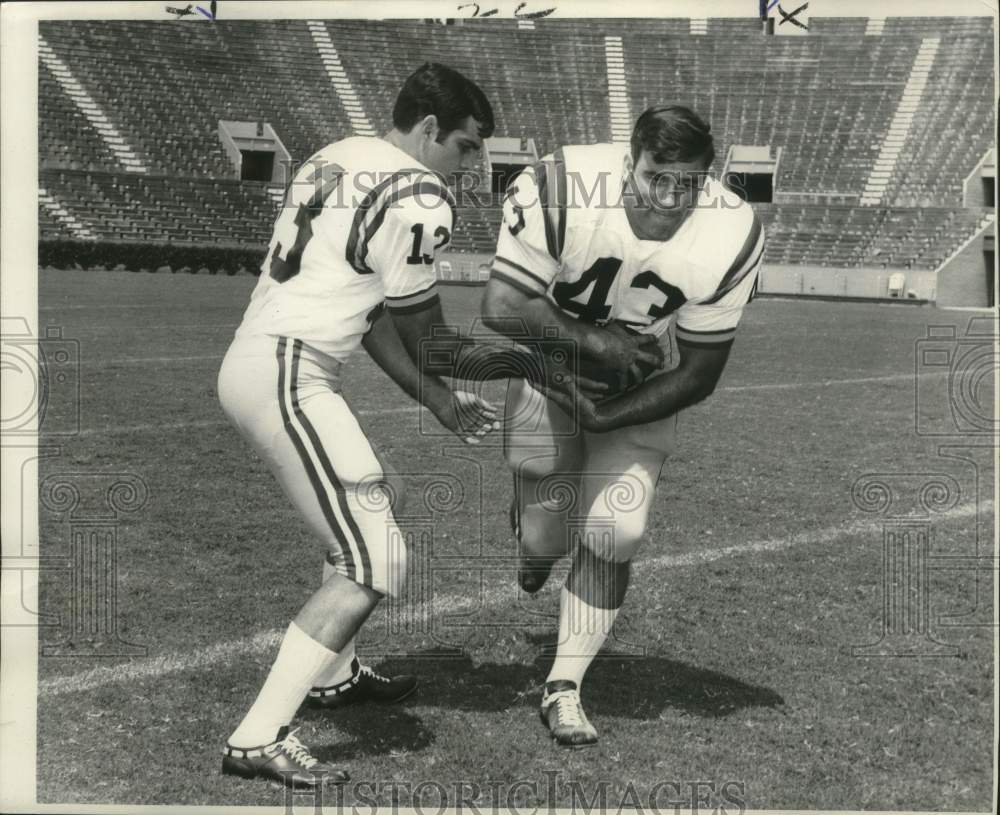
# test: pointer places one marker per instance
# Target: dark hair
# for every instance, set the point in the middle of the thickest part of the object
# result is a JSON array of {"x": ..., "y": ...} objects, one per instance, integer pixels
[
  {"x": 673, "y": 133},
  {"x": 437, "y": 89}
]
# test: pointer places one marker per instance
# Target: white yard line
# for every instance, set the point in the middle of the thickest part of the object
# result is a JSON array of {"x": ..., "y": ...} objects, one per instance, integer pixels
[
  {"x": 265, "y": 641},
  {"x": 150, "y": 427},
  {"x": 160, "y": 306},
  {"x": 148, "y": 360},
  {"x": 153, "y": 427},
  {"x": 864, "y": 380}
]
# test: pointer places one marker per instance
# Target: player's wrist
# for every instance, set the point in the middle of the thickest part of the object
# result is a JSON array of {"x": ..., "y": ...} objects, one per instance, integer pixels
[{"x": 435, "y": 394}]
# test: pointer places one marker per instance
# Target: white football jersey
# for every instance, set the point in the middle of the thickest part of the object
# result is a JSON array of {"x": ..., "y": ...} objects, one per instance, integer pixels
[
  {"x": 359, "y": 227},
  {"x": 565, "y": 233}
]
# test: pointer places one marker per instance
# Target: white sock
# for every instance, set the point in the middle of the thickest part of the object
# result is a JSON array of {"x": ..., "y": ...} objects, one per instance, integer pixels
[
  {"x": 300, "y": 660},
  {"x": 340, "y": 670},
  {"x": 582, "y": 631}
]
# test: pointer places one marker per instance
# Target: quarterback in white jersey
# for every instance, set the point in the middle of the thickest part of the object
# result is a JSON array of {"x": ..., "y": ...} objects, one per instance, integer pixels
[
  {"x": 351, "y": 263},
  {"x": 357, "y": 206},
  {"x": 605, "y": 246}
]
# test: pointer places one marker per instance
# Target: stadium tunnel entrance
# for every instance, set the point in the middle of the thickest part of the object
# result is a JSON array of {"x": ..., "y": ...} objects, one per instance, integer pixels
[
  {"x": 505, "y": 158},
  {"x": 256, "y": 151},
  {"x": 749, "y": 172}
]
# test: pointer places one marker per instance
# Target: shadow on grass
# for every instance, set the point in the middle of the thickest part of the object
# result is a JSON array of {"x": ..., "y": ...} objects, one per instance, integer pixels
[{"x": 629, "y": 687}]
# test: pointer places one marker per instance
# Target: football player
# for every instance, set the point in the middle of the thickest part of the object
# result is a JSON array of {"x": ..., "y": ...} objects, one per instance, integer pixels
[
  {"x": 598, "y": 242},
  {"x": 351, "y": 263}
]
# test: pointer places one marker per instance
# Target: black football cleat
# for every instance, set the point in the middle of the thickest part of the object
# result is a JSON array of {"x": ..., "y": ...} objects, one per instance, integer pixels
[
  {"x": 562, "y": 712},
  {"x": 533, "y": 572},
  {"x": 365, "y": 685},
  {"x": 286, "y": 760}
]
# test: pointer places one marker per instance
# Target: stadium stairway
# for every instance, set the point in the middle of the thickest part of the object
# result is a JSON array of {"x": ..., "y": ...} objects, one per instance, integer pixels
[{"x": 828, "y": 101}]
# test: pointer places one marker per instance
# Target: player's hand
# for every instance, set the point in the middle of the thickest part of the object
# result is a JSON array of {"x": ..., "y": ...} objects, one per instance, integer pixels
[
  {"x": 467, "y": 416},
  {"x": 575, "y": 402},
  {"x": 630, "y": 352},
  {"x": 556, "y": 375}
]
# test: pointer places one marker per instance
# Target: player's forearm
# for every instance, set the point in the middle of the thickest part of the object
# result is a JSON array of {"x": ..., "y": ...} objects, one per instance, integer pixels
[
  {"x": 521, "y": 316},
  {"x": 384, "y": 346},
  {"x": 657, "y": 398},
  {"x": 471, "y": 360}
]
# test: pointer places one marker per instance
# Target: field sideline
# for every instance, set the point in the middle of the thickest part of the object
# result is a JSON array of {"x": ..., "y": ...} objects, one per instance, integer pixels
[{"x": 733, "y": 657}]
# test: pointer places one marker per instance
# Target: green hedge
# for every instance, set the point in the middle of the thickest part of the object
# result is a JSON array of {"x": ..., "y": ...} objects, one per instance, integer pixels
[{"x": 150, "y": 257}]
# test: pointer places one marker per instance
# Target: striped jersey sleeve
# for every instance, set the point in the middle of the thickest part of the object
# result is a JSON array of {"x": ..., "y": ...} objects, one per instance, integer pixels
[
  {"x": 533, "y": 231},
  {"x": 712, "y": 320},
  {"x": 398, "y": 234}
]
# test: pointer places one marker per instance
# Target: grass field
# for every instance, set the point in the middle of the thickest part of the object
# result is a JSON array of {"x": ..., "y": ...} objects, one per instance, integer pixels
[{"x": 732, "y": 661}]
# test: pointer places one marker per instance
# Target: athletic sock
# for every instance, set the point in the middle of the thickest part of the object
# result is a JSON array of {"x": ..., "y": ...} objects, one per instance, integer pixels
[
  {"x": 299, "y": 662},
  {"x": 340, "y": 670},
  {"x": 582, "y": 631}
]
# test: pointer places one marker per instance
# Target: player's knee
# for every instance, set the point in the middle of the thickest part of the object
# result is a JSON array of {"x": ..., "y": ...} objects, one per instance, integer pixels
[
  {"x": 388, "y": 565},
  {"x": 382, "y": 490},
  {"x": 529, "y": 464},
  {"x": 619, "y": 541},
  {"x": 542, "y": 533}
]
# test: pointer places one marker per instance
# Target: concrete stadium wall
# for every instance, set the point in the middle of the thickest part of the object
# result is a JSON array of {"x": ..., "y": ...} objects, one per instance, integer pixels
[
  {"x": 963, "y": 279},
  {"x": 815, "y": 281},
  {"x": 820, "y": 281},
  {"x": 464, "y": 268}
]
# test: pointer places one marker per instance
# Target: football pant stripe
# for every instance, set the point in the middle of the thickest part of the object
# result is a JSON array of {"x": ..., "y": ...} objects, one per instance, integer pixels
[
  {"x": 354, "y": 537},
  {"x": 321, "y": 493},
  {"x": 515, "y": 508}
]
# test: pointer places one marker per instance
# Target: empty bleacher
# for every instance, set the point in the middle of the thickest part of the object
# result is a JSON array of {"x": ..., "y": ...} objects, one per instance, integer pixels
[
  {"x": 127, "y": 206},
  {"x": 825, "y": 100},
  {"x": 952, "y": 128},
  {"x": 549, "y": 86}
]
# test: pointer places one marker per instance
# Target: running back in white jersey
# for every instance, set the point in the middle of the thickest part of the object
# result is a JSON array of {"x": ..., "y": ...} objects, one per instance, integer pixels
[
  {"x": 565, "y": 233},
  {"x": 359, "y": 227}
]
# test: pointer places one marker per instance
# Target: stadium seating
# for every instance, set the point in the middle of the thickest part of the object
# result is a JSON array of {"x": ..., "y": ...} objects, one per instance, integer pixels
[
  {"x": 66, "y": 139},
  {"x": 841, "y": 236},
  {"x": 953, "y": 127},
  {"x": 126, "y": 206},
  {"x": 552, "y": 87},
  {"x": 825, "y": 101},
  {"x": 766, "y": 91}
]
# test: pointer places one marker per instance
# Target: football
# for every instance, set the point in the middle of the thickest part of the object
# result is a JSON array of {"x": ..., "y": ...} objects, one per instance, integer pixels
[{"x": 618, "y": 381}]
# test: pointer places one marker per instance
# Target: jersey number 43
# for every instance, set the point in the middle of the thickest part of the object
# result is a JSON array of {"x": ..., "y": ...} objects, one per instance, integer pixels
[{"x": 601, "y": 276}]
